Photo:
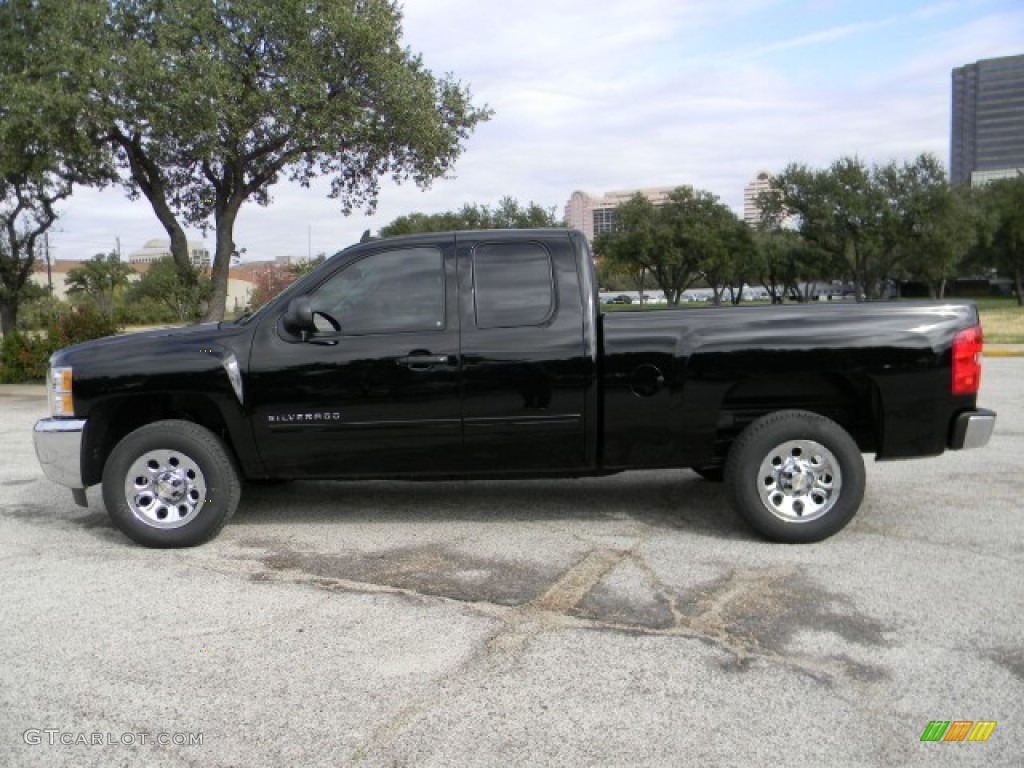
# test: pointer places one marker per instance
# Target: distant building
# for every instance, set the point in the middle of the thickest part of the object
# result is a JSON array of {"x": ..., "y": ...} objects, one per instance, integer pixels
[
  {"x": 987, "y": 136},
  {"x": 751, "y": 210},
  {"x": 157, "y": 249},
  {"x": 241, "y": 280},
  {"x": 596, "y": 215}
]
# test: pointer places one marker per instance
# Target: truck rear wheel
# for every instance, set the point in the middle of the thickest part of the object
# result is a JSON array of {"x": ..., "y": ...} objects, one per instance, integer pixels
[
  {"x": 170, "y": 484},
  {"x": 795, "y": 476}
]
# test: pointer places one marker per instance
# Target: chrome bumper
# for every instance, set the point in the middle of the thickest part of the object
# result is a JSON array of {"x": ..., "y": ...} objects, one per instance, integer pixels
[
  {"x": 972, "y": 429},
  {"x": 59, "y": 450}
]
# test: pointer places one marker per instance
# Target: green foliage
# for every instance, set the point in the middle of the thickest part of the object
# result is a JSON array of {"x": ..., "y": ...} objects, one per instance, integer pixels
[
  {"x": 39, "y": 309},
  {"x": 307, "y": 266},
  {"x": 691, "y": 235},
  {"x": 181, "y": 292},
  {"x": 79, "y": 324},
  {"x": 508, "y": 214},
  {"x": 1002, "y": 229},
  {"x": 206, "y": 104},
  {"x": 616, "y": 276},
  {"x": 787, "y": 265},
  {"x": 928, "y": 227},
  {"x": 270, "y": 281},
  {"x": 888, "y": 221},
  {"x": 25, "y": 356},
  {"x": 99, "y": 279},
  {"x": 837, "y": 209},
  {"x": 46, "y": 142}
]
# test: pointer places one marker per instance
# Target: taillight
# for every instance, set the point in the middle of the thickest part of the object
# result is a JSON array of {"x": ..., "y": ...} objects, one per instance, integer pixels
[{"x": 967, "y": 361}]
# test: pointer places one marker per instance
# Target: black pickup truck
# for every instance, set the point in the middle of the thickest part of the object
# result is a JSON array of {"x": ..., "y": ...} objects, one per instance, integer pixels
[{"x": 484, "y": 354}]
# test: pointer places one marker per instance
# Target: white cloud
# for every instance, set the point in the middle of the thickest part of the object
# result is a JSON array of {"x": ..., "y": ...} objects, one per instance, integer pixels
[{"x": 608, "y": 95}]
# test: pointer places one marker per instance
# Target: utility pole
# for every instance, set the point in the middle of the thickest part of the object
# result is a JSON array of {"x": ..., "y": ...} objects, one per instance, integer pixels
[{"x": 118, "y": 251}]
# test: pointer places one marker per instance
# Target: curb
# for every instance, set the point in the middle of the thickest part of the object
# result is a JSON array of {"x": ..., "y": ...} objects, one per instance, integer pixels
[{"x": 1004, "y": 352}]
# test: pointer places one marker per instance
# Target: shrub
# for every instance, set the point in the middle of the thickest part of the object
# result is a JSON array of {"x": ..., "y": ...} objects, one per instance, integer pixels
[
  {"x": 25, "y": 357},
  {"x": 80, "y": 324}
]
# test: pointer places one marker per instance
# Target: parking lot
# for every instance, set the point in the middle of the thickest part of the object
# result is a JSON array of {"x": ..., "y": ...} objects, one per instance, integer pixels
[{"x": 623, "y": 621}]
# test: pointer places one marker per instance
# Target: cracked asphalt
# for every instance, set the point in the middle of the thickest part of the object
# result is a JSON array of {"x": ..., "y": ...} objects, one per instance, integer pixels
[{"x": 621, "y": 621}]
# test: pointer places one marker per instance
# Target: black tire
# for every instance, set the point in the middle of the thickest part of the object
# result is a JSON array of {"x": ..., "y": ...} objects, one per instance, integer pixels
[
  {"x": 170, "y": 484},
  {"x": 713, "y": 473},
  {"x": 795, "y": 477}
]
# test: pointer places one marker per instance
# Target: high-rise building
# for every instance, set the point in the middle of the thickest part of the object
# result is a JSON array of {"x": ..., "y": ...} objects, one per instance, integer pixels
[
  {"x": 987, "y": 140},
  {"x": 596, "y": 215},
  {"x": 751, "y": 210}
]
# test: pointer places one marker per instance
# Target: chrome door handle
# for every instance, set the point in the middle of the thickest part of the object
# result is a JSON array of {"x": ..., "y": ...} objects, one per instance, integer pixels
[{"x": 423, "y": 361}]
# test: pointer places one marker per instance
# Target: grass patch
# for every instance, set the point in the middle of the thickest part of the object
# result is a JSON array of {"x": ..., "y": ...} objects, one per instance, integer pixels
[{"x": 1002, "y": 321}]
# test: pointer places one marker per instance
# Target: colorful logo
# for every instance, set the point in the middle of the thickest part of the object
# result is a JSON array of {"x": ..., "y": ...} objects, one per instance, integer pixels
[{"x": 958, "y": 730}]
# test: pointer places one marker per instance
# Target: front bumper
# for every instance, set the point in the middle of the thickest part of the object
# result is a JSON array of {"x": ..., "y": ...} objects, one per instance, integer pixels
[
  {"x": 58, "y": 445},
  {"x": 972, "y": 429}
]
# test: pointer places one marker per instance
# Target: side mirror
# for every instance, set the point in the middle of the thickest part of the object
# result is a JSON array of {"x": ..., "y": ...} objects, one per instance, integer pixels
[{"x": 298, "y": 317}]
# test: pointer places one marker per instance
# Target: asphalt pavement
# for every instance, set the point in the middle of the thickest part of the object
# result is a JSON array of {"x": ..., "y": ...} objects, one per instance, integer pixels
[{"x": 622, "y": 621}]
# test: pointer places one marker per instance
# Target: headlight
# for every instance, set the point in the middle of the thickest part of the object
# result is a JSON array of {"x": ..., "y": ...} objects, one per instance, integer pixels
[{"x": 58, "y": 385}]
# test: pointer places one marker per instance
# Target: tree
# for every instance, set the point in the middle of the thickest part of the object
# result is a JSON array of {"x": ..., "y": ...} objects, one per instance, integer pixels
[
  {"x": 270, "y": 281},
  {"x": 184, "y": 295},
  {"x": 99, "y": 279},
  {"x": 880, "y": 221},
  {"x": 623, "y": 276},
  {"x": 1003, "y": 201},
  {"x": 838, "y": 209},
  {"x": 732, "y": 260},
  {"x": 26, "y": 212},
  {"x": 508, "y": 214},
  {"x": 692, "y": 234},
  {"x": 45, "y": 145},
  {"x": 928, "y": 225},
  {"x": 207, "y": 104},
  {"x": 787, "y": 265},
  {"x": 642, "y": 241},
  {"x": 308, "y": 265}
]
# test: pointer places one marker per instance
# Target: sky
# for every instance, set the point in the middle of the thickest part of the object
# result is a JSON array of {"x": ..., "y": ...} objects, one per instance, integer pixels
[{"x": 605, "y": 95}]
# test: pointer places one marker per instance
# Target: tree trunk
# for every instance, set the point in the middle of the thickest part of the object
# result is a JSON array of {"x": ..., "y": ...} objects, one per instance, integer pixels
[
  {"x": 179, "y": 246},
  {"x": 219, "y": 276},
  {"x": 1017, "y": 278},
  {"x": 147, "y": 176},
  {"x": 225, "y": 221},
  {"x": 8, "y": 316}
]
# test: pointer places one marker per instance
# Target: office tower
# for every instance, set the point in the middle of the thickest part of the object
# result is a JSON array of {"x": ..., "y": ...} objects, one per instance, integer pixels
[{"x": 987, "y": 140}]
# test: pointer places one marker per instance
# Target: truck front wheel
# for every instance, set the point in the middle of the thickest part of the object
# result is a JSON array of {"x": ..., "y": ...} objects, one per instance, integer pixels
[
  {"x": 170, "y": 484},
  {"x": 795, "y": 476}
]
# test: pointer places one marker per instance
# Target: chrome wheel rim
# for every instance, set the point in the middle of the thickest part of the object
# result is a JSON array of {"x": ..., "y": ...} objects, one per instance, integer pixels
[
  {"x": 165, "y": 489},
  {"x": 799, "y": 481}
]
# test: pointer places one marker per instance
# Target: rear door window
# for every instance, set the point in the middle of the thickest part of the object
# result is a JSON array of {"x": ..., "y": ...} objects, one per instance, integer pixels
[{"x": 512, "y": 284}]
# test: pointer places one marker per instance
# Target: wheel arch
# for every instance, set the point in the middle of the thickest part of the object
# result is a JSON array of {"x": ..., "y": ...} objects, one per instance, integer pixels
[
  {"x": 853, "y": 401},
  {"x": 110, "y": 421}
]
